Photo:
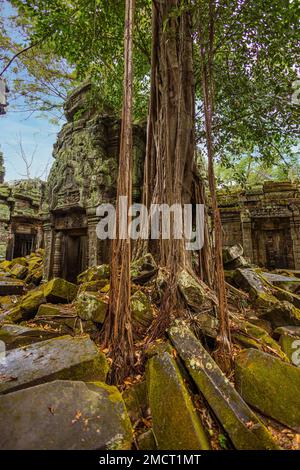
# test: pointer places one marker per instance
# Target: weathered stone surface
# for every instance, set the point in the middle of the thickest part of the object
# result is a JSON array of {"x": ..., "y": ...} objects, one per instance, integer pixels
[
  {"x": 191, "y": 290},
  {"x": 290, "y": 344},
  {"x": 207, "y": 324},
  {"x": 19, "y": 271},
  {"x": 146, "y": 441},
  {"x": 59, "y": 358},
  {"x": 11, "y": 287},
  {"x": 248, "y": 280},
  {"x": 289, "y": 283},
  {"x": 143, "y": 269},
  {"x": 16, "y": 336},
  {"x": 141, "y": 310},
  {"x": 59, "y": 291},
  {"x": 64, "y": 320},
  {"x": 65, "y": 415},
  {"x": 231, "y": 253},
  {"x": 176, "y": 425},
  {"x": 269, "y": 385},
  {"x": 56, "y": 291},
  {"x": 282, "y": 314},
  {"x": 90, "y": 306},
  {"x": 136, "y": 401},
  {"x": 252, "y": 336},
  {"x": 95, "y": 273},
  {"x": 243, "y": 427}
]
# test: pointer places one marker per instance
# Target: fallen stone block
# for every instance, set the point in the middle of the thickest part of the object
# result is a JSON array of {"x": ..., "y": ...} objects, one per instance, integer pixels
[
  {"x": 17, "y": 336},
  {"x": 191, "y": 290},
  {"x": 289, "y": 340},
  {"x": 282, "y": 314},
  {"x": 95, "y": 273},
  {"x": 63, "y": 357},
  {"x": 65, "y": 415},
  {"x": 269, "y": 385},
  {"x": 141, "y": 309},
  {"x": 252, "y": 336},
  {"x": 59, "y": 291},
  {"x": 143, "y": 269},
  {"x": 243, "y": 427},
  {"x": 176, "y": 425},
  {"x": 90, "y": 306},
  {"x": 11, "y": 287},
  {"x": 289, "y": 283},
  {"x": 19, "y": 271},
  {"x": 136, "y": 401},
  {"x": 231, "y": 253},
  {"x": 64, "y": 320}
]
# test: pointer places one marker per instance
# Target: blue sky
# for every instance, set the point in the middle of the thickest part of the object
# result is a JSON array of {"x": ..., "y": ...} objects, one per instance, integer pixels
[{"x": 36, "y": 133}]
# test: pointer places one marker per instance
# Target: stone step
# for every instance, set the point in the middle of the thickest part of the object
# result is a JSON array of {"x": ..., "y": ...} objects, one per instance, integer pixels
[
  {"x": 65, "y": 415},
  {"x": 59, "y": 358}
]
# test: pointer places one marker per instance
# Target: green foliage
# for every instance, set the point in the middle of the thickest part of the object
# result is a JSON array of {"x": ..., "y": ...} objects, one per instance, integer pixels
[{"x": 254, "y": 63}]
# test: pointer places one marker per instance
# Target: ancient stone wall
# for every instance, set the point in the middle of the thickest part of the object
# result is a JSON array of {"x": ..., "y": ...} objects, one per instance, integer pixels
[
  {"x": 20, "y": 218},
  {"x": 266, "y": 221}
]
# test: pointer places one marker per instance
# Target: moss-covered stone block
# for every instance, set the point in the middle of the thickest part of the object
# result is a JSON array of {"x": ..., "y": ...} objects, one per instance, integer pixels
[
  {"x": 136, "y": 401},
  {"x": 191, "y": 290},
  {"x": 282, "y": 314},
  {"x": 90, "y": 306},
  {"x": 252, "y": 336},
  {"x": 60, "y": 358},
  {"x": 11, "y": 287},
  {"x": 19, "y": 271},
  {"x": 143, "y": 269},
  {"x": 176, "y": 424},
  {"x": 270, "y": 385},
  {"x": 141, "y": 310},
  {"x": 95, "y": 273},
  {"x": 146, "y": 441},
  {"x": 65, "y": 415},
  {"x": 59, "y": 291},
  {"x": 243, "y": 427}
]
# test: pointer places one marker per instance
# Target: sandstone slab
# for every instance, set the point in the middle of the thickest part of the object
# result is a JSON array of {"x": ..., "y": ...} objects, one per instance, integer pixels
[
  {"x": 63, "y": 357},
  {"x": 269, "y": 385},
  {"x": 176, "y": 425},
  {"x": 243, "y": 427},
  {"x": 65, "y": 415}
]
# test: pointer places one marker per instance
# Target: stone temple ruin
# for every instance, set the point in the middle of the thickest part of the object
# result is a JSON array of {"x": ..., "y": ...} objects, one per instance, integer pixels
[
  {"x": 60, "y": 215},
  {"x": 53, "y": 382},
  {"x": 83, "y": 176},
  {"x": 21, "y": 226},
  {"x": 266, "y": 222}
]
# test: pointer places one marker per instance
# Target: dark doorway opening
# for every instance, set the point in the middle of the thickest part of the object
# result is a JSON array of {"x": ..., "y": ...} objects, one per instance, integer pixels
[
  {"x": 23, "y": 245},
  {"x": 74, "y": 254},
  {"x": 272, "y": 243}
]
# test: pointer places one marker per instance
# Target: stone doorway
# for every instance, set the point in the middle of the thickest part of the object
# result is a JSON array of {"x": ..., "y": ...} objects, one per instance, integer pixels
[
  {"x": 23, "y": 245},
  {"x": 272, "y": 243},
  {"x": 74, "y": 254}
]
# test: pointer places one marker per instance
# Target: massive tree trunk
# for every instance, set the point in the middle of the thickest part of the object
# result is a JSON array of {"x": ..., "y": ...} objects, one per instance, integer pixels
[
  {"x": 171, "y": 141},
  {"x": 118, "y": 326}
]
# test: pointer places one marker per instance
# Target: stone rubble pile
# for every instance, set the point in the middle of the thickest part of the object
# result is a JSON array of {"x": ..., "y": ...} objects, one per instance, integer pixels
[{"x": 53, "y": 393}]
